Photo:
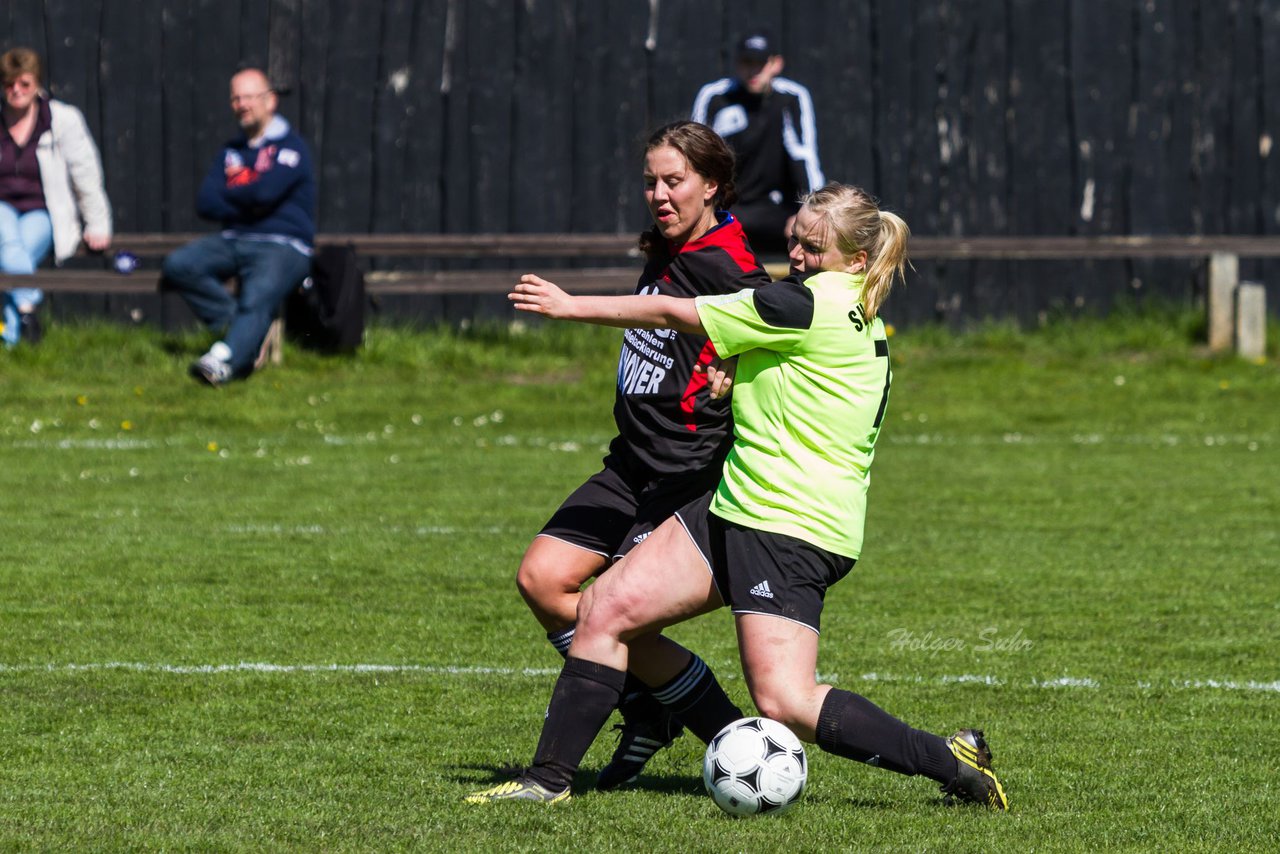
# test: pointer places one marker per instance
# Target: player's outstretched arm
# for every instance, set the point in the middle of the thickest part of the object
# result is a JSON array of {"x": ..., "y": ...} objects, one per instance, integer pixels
[{"x": 655, "y": 311}]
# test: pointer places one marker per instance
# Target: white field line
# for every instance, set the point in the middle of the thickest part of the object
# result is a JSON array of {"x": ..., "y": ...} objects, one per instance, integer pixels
[
  {"x": 87, "y": 444},
  {"x": 1056, "y": 683},
  {"x": 1163, "y": 440},
  {"x": 264, "y": 667},
  {"x": 1158, "y": 440},
  {"x": 419, "y": 530}
]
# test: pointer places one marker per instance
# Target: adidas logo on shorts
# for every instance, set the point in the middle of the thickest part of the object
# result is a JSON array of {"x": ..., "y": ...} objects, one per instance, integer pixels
[{"x": 762, "y": 589}]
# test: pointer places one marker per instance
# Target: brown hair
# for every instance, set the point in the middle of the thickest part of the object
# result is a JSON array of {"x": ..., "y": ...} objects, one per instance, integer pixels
[
  {"x": 853, "y": 217},
  {"x": 708, "y": 154},
  {"x": 20, "y": 61}
]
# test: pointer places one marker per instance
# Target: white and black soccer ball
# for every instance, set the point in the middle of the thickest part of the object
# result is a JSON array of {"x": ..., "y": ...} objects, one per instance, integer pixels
[{"x": 755, "y": 766}]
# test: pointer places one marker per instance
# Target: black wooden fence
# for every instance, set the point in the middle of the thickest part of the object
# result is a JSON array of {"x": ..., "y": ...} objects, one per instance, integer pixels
[{"x": 970, "y": 117}]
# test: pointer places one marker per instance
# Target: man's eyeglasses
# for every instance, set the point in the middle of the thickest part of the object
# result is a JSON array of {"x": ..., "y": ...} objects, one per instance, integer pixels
[{"x": 237, "y": 99}]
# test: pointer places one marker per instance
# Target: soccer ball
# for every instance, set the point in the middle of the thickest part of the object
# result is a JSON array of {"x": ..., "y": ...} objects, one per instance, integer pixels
[{"x": 755, "y": 766}]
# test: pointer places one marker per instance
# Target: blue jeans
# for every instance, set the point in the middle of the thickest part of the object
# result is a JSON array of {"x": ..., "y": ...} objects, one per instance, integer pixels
[
  {"x": 24, "y": 239},
  {"x": 267, "y": 272}
]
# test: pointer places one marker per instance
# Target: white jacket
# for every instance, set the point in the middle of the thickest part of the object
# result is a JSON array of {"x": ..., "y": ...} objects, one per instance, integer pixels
[{"x": 71, "y": 173}]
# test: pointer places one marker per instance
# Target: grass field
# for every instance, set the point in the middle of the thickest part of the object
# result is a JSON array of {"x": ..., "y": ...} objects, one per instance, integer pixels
[{"x": 281, "y": 616}]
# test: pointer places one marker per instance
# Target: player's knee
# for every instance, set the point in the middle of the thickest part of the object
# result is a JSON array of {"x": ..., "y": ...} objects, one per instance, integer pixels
[
  {"x": 527, "y": 582},
  {"x": 782, "y": 704},
  {"x": 591, "y": 617},
  {"x": 541, "y": 583},
  {"x": 604, "y": 611}
]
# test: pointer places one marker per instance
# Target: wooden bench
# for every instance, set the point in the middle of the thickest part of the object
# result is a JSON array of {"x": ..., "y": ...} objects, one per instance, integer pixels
[
  {"x": 1222, "y": 252},
  {"x": 618, "y": 278},
  {"x": 1235, "y": 313}
]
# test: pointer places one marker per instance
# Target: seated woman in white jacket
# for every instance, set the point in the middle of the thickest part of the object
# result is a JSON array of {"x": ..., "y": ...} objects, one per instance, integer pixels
[{"x": 50, "y": 173}]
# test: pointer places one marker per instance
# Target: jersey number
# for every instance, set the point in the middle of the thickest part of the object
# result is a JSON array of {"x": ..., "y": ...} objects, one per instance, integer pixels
[{"x": 882, "y": 349}]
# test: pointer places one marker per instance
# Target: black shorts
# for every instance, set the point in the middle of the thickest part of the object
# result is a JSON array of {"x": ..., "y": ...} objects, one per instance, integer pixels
[
  {"x": 619, "y": 506},
  {"x": 758, "y": 572}
]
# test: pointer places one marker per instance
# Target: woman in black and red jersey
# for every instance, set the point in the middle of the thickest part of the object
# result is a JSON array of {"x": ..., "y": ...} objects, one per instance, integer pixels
[{"x": 673, "y": 435}]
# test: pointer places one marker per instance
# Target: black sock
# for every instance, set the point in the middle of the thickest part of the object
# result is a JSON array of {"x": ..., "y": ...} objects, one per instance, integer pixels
[
  {"x": 584, "y": 696},
  {"x": 633, "y": 691},
  {"x": 697, "y": 700},
  {"x": 856, "y": 728},
  {"x": 635, "y": 695},
  {"x": 561, "y": 638}
]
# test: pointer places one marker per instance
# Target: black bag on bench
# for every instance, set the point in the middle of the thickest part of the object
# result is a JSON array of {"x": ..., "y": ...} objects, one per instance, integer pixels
[{"x": 326, "y": 312}]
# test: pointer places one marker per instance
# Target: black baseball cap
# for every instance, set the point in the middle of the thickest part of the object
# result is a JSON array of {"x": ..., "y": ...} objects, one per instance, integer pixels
[{"x": 758, "y": 45}]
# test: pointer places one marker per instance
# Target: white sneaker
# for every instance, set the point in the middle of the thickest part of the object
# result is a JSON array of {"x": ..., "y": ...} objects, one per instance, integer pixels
[{"x": 214, "y": 367}]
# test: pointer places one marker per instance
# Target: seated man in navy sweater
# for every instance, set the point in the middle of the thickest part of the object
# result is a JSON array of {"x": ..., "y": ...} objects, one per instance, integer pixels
[{"x": 262, "y": 191}]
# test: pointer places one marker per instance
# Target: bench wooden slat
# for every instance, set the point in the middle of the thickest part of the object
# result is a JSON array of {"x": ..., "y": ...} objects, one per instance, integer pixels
[
  {"x": 599, "y": 280},
  {"x": 1008, "y": 248},
  {"x": 427, "y": 245},
  {"x": 1085, "y": 248},
  {"x": 84, "y": 281},
  {"x": 491, "y": 245},
  {"x": 596, "y": 280},
  {"x": 610, "y": 278}
]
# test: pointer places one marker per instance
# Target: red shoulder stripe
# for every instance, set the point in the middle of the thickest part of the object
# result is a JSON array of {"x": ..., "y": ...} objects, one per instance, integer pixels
[{"x": 730, "y": 237}]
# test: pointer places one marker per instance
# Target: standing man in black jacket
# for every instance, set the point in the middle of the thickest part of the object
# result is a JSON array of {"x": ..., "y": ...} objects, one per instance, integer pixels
[{"x": 768, "y": 121}]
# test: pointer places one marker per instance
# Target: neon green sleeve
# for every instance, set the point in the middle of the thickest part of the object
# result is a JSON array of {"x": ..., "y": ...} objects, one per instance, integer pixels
[{"x": 734, "y": 325}]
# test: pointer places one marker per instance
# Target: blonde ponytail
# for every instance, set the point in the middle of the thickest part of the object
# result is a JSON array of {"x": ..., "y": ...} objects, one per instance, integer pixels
[
  {"x": 858, "y": 224},
  {"x": 886, "y": 263}
]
